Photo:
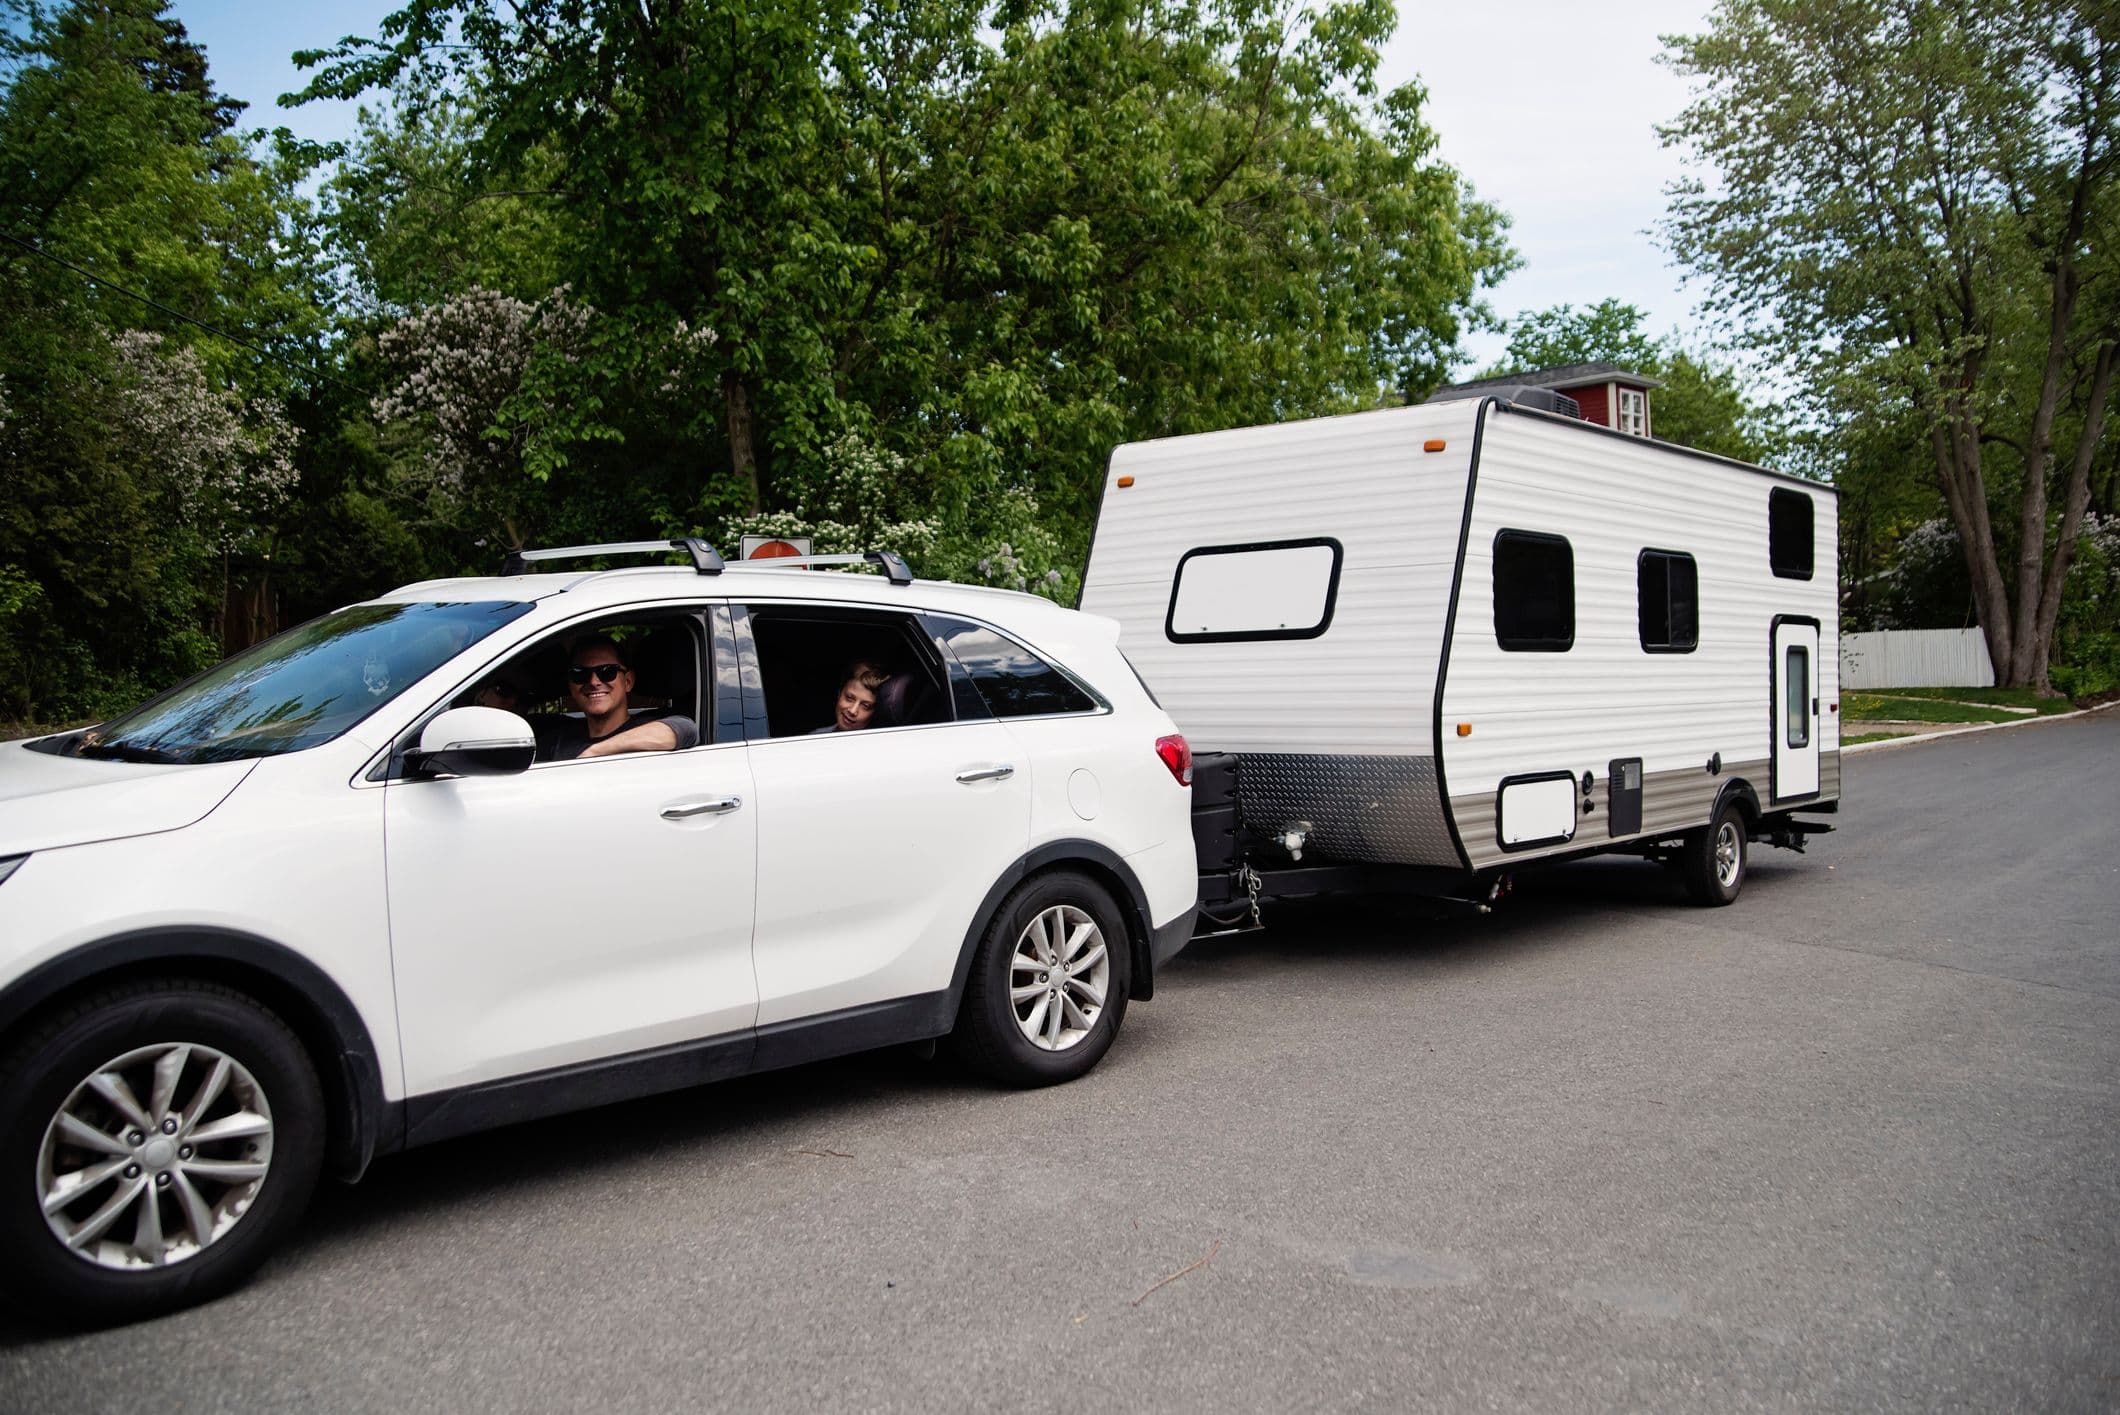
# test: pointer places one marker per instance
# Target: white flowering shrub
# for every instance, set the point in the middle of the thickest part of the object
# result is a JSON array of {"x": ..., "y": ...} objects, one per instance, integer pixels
[
  {"x": 228, "y": 464},
  {"x": 855, "y": 502},
  {"x": 1925, "y": 586},
  {"x": 850, "y": 507},
  {"x": 458, "y": 363}
]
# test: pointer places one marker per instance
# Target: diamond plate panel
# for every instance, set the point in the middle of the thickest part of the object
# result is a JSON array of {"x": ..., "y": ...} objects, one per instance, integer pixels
[{"x": 1363, "y": 810}]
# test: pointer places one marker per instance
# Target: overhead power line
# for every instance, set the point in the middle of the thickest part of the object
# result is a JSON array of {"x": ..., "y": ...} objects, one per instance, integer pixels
[{"x": 152, "y": 303}]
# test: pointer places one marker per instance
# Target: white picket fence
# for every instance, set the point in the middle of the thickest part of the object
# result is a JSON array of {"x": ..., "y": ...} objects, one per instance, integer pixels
[{"x": 1916, "y": 658}]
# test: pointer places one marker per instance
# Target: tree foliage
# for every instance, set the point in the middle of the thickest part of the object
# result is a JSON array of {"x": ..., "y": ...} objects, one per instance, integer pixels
[
  {"x": 142, "y": 457},
  {"x": 991, "y": 253},
  {"x": 1915, "y": 210}
]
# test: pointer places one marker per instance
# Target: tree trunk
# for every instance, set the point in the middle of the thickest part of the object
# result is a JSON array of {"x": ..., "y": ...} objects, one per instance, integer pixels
[
  {"x": 2075, "y": 500},
  {"x": 1956, "y": 445},
  {"x": 743, "y": 449}
]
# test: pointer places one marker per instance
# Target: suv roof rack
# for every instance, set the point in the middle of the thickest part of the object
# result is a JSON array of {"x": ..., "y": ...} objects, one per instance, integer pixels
[
  {"x": 892, "y": 564},
  {"x": 705, "y": 559}
]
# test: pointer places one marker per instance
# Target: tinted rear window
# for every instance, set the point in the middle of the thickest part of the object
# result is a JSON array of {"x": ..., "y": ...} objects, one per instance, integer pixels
[{"x": 1013, "y": 681}]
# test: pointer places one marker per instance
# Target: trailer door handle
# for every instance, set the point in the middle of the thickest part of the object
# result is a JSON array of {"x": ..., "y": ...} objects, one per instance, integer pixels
[
  {"x": 720, "y": 806},
  {"x": 987, "y": 773}
]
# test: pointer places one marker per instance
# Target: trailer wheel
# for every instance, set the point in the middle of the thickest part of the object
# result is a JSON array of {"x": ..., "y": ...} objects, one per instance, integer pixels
[{"x": 1714, "y": 859}]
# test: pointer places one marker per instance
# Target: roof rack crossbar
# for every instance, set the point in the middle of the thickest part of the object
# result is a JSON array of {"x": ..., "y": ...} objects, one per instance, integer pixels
[
  {"x": 705, "y": 559},
  {"x": 893, "y": 565}
]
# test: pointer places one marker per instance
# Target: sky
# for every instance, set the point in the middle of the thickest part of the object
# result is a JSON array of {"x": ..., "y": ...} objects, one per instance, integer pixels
[{"x": 1549, "y": 110}]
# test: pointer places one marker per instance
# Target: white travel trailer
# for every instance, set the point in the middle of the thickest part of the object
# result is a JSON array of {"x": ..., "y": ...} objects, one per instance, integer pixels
[{"x": 1444, "y": 641}]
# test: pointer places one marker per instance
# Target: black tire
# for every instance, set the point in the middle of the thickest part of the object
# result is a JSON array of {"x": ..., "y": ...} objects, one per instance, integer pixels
[
  {"x": 187, "y": 1028},
  {"x": 992, "y": 1037},
  {"x": 1714, "y": 859}
]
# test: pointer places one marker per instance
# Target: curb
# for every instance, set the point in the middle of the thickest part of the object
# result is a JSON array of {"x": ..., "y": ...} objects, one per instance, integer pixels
[{"x": 1969, "y": 731}]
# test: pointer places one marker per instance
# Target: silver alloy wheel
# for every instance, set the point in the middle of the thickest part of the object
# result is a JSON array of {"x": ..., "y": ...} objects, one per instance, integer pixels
[
  {"x": 1728, "y": 860},
  {"x": 129, "y": 1183},
  {"x": 1058, "y": 976}
]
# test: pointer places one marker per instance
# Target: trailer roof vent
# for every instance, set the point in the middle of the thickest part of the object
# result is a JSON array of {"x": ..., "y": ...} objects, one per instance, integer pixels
[{"x": 1544, "y": 400}]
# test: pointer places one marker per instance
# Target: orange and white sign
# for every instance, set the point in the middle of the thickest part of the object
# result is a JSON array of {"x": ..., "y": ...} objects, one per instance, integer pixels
[{"x": 775, "y": 547}]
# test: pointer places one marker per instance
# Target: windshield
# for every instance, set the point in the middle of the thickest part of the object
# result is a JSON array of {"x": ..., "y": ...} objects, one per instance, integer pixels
[{"x": 301, "y": 688}]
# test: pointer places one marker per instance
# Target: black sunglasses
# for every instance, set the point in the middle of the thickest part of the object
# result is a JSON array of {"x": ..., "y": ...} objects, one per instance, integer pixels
[{"x": 605, "y": 673}]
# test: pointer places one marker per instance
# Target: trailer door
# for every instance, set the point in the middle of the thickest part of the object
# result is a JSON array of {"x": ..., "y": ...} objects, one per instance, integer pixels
[{"x": 1795, "y": 708}]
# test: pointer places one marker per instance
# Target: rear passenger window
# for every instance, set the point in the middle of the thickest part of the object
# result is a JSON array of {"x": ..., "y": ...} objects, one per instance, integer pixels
[
  {"x": 807, "y": 654},
  {"x": 1667, "y": 601},
  {"x": 1010, "y": 679},
  {"x": 1534, "y": 592},
  {"x": 1789, "y": 530}
]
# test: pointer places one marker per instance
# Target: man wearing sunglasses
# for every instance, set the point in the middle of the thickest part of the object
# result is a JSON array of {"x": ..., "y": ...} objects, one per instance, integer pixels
[{"x": 601, "y": 684}]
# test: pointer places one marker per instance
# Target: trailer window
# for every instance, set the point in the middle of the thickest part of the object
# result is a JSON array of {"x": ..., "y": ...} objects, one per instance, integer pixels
[
  {"x": 1534, "y": 592},
  {"x": 1798, "y": 707},
  {"x": 1789, "y": 530},
  {"x": 1667, "y": 601},
  {"x": 1273, "y": 590}
]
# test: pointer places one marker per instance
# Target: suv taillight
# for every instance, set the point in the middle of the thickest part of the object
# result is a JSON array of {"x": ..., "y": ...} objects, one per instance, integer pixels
[{"x": 1177, "y": 756}]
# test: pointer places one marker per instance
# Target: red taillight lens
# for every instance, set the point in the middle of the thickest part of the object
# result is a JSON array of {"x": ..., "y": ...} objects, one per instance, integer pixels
[{"x": 1177, "y": 756}]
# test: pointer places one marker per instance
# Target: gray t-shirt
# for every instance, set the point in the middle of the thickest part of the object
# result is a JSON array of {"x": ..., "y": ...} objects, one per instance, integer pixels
[{"x": 562, "y": 739}]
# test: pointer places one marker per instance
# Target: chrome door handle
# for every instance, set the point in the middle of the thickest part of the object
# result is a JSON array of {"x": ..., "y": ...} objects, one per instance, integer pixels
[
  {"x": 719, "y": 807},
  {"x": 987, "y": 773}
]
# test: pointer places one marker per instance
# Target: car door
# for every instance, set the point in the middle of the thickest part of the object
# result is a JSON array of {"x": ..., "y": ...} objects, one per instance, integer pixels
[
  {"x": 876, "y": 850},
  {"x": 575, "y": 911}
]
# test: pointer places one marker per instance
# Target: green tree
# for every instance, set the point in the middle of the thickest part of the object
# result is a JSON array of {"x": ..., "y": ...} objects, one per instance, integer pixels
[
  {"x": 144, "y": 457},
  {"x": 1914, "y": 208},
  {"x": 991, "y": 253}
]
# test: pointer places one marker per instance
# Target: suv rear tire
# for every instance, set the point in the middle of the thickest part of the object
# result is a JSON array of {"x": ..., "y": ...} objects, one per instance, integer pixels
[
  {"x": 157, "y": 1141},
  {"x": 1048, "y": 986}
]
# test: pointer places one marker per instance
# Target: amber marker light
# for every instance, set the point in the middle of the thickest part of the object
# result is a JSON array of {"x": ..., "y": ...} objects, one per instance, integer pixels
[
  {"x": 1126, "y": 481},
  {"x": 1434, "y": 444},
  {"x": 1464, "y": 729}
]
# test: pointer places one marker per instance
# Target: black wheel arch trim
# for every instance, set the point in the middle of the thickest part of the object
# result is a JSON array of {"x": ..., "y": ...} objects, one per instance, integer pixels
[
  {"x": 362, "y": 1123},
  {"x": 1739, "y": 790},
  {"x": 1132, "y": 898}
]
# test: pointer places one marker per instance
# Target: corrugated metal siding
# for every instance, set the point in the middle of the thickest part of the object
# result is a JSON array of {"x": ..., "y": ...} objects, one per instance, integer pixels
[
  {"x": 1605, "y": 698},
  {"x": 1367, "y": 685},
  {"x": 1672, "y": 801},
  {"x": 1916, "y": 658}
]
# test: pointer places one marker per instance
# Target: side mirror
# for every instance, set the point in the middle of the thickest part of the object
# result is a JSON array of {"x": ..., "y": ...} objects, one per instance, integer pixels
[{"x": 474, "y": 741}]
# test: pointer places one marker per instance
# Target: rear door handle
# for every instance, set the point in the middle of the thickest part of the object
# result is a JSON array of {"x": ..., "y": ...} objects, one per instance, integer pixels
[
  {"x": 987, "y": 773},
  {"x": 720, "y": 806}
]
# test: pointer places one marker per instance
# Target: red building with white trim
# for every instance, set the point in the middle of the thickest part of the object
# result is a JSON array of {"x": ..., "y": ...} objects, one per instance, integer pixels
[{"x": 1605, "y": 394}]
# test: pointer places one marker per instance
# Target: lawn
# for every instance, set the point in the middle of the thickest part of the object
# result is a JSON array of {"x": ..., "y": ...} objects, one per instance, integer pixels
[
  {"x": 1986, "y": 697},
  {"x": 1948, "y": 705}
]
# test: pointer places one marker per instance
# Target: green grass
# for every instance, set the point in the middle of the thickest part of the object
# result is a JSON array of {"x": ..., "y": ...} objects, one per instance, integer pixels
[
  {"x": 1988, "y": 697},
  {"x": 1915, "y": 705},
  {"x": 1871, "y": 737}
]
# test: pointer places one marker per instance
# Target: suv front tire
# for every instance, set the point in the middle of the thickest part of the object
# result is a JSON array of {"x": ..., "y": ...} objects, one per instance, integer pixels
[{"x": 157, "y": 1140}]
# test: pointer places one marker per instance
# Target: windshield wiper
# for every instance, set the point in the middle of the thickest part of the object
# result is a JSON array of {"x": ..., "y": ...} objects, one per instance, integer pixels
[{"x": 125, "y": 752}]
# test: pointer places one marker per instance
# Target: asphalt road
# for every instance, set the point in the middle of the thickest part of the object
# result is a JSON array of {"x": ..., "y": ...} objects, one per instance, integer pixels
[{"x": 1853, "y": 1142}]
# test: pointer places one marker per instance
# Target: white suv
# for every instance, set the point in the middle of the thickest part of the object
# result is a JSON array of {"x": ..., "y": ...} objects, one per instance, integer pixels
[{"x": 483, "y": 850}]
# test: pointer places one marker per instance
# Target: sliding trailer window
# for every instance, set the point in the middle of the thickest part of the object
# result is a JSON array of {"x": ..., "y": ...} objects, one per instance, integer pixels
[
  {"x": 1789, "y": 534},
  {"x": 1534, "y": 592},
  {"x": 1667, "y": 601},
  {"x": 1271, "y": 590}
]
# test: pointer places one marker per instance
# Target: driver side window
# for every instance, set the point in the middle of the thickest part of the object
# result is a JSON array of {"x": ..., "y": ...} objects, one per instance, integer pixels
[{"x": 597, "y": 681}]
